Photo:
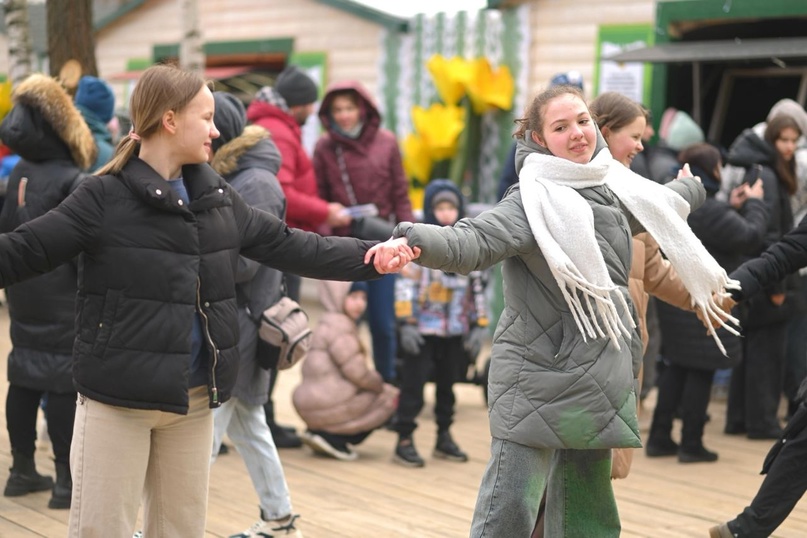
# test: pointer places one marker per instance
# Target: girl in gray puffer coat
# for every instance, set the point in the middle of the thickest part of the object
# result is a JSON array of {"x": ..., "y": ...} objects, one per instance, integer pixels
[{"x": 566, "y": 351}]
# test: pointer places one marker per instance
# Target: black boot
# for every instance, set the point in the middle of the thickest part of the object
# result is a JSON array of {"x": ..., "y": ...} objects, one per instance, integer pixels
[
  {"x": 63, "y": 489},
  {"x": 447, "y": 449},
  {"x": 24, "y": 479},
  {"x": 285, "y": 436},
  {"x": 659, "y": 442}
]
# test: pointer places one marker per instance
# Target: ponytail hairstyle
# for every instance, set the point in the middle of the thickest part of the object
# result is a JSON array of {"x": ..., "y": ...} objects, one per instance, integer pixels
[
  {"x": 161, "y": 88},
  {"x": 533, "y": 119},
  {"x": 785, "y": 170}
]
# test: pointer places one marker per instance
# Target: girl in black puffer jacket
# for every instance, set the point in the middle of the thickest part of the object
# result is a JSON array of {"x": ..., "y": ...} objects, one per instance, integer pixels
[
  {"x": 54, "y": 144},
  {"x": 158, "y": 235},
  {"x": 690, "y": 357}
]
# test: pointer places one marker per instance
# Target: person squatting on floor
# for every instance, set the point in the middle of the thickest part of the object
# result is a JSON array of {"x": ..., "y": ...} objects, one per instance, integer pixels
[{"x": 341, "y": 397}]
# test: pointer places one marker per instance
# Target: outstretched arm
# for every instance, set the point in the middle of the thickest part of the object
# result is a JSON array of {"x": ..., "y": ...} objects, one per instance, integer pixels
[
  {"x": 782, "y": 258},
  {"x": 43, "y": 244}
]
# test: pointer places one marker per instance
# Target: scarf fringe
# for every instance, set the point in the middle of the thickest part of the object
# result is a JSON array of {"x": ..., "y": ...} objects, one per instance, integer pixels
[
  {"x": 599, "y": 305},
  {"x": 713, "y": 312},
  {"x": 562, "y": 223}
]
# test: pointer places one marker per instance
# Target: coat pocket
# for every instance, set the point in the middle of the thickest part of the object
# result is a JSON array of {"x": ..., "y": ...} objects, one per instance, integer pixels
[
  {"x": 106, "y": 322},
  {"x": 568, "y": 341}
]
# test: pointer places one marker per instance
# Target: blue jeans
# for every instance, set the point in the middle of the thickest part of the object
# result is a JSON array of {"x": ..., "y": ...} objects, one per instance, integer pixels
[
  {"x": 246, "y": 426},
  {"x": 579, "y": 497},
  {"x": 381, "y": 317}
]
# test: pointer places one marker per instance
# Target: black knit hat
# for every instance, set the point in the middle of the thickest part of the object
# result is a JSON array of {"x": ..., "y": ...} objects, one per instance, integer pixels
[
  {"x": 296, "y": 87},
  {"x": 230, "y": 118}
]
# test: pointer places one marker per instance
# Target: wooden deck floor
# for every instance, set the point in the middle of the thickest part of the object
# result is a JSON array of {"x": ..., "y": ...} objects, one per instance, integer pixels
[{"x": 372, "y": 497}]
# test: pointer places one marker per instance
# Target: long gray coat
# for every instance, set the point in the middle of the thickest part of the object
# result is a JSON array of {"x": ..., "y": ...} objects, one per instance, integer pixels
[{"x": 547, "y": 387}]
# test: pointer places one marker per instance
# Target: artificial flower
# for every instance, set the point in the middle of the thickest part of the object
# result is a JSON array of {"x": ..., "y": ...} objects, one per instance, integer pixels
[
  {"x": 439, "y": 126},
  {"x": 450, "y": 77}
]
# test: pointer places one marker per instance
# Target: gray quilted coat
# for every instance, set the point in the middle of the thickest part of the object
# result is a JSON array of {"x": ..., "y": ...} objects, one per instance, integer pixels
[{"x": 549, "y": 388}]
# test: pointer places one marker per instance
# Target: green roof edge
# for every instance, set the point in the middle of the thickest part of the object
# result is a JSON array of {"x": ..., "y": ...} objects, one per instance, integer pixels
[
  {"x": 118, "y": 13},
  {"x": 387, "y": 20}
]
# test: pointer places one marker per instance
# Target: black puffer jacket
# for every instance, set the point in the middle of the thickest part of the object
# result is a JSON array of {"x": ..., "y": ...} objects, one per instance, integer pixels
[
  {"x": 786, "y": 256},
  {"x": 729, "y": 236},
  {"x": 148, "y": 262},
  {"x": 54, "y": 143}
]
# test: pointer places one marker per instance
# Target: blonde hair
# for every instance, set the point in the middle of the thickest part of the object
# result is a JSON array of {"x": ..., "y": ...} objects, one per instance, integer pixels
[{"x": 161, "y": 88}]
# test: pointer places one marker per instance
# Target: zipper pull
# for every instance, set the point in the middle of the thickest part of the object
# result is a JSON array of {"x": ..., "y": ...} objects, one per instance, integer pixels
[{"x": 215, "y": 396}]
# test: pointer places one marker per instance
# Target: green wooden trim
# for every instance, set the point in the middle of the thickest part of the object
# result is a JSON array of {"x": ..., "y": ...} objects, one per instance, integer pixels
[
  {"x": 462, "y": 31},
  {"x": 165, "y": 51},
  {"x": 439, "y": 30},
  {"x": 392, "y": 76},
  {"x": 280, "y": 45},
  {"x": 310, "y": 59},
  {"x": 138, "y": 64},
  {"x": 117, "y": 14},
  {"x": 481, "y": 28},
  {"x": 283, "y": 45},
  {"x": 625, "y": 33},
  {"x": 386, "y": 20},
  {"x": 419, "y": 62},
  {"x": 669, "y": 11}
]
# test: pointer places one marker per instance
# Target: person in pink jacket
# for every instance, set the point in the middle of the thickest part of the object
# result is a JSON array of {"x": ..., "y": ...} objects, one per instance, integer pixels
[
  {"x": 358, "y": 162},
  {"x": 341, "y": 398}
]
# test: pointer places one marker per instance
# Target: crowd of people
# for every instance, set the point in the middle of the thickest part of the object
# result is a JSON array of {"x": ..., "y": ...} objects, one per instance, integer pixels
[{"x": 137, "y": 266}]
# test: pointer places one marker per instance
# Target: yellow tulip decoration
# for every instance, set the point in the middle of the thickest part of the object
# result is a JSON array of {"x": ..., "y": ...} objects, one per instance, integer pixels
[
  {"x": 5, "y": 98},
  {"x": 447, "y": 133},
  {"x": 451, "y": 77},
  {"x": 489, "y": 89}
]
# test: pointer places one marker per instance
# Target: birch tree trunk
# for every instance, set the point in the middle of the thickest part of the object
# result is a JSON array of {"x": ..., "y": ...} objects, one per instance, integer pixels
[
  {"x": 19, "y": 39},
  {"x": 70, "y": 35},
  {"x": 191, "y": 54}
]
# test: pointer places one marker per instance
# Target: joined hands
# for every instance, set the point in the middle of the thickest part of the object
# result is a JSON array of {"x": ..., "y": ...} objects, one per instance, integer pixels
[{"x": 391, "y": 255}]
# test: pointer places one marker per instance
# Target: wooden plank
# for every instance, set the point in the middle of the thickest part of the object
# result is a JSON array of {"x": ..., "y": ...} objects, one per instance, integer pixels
[{"x": 374, "y": 497}]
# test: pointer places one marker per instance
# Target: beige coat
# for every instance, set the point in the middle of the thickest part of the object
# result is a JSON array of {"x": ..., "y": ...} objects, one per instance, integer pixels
[
  {"x": 340, "y": 393},
  {"x": 651, "y": 273}
]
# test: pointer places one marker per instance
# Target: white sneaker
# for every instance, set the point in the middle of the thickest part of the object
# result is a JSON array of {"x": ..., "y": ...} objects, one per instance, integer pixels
[
  {"x": 273, "y": 529},
  {"x": 319, "y": 445}
]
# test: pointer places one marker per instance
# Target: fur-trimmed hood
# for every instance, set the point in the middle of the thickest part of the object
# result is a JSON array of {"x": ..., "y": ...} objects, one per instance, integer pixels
[
  {"x": 254, "y": 148},
  {"x": 44, "y": 123}
]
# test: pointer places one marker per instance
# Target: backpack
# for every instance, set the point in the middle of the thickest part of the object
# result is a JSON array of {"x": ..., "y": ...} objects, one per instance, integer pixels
[{"x": 284, "y": 326}]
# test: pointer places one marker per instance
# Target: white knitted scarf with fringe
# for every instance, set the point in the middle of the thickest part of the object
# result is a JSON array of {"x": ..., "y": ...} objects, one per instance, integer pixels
[{"x": 563, "y": 225}]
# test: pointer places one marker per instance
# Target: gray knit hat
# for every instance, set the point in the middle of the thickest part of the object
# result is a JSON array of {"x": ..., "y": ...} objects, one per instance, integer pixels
[
  {"x": 446, "y": 195},
  {"x": 789, "y": 107}
]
